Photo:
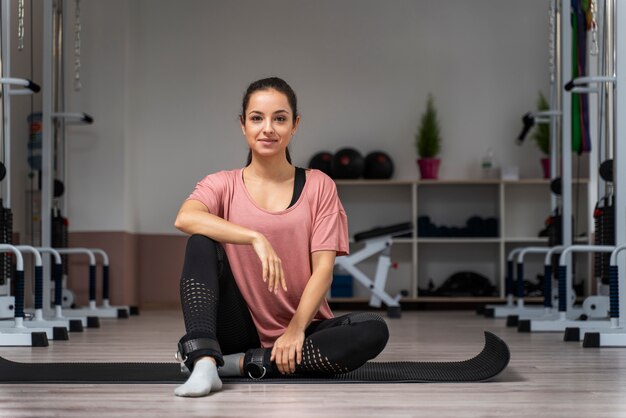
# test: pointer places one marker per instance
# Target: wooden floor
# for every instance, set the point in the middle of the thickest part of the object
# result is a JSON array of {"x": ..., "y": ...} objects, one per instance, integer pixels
[{"x": 546, "y": 377}]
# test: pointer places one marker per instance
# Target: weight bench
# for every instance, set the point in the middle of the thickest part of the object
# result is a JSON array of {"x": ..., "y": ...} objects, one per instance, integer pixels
[{"x": 377, "y": 240}]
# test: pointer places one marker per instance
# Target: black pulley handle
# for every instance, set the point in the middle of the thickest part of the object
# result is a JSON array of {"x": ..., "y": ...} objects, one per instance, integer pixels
[
  {"x": 529, "y": 121},
  {"x": 31, "y": 86},
  {"x": 570, "y": 85},
  {"x": 74, "y": 117},
  {"x": 87, "y": 119},
  {"x": 585, "y": 81},
  {"x": 531, "y": 118}
]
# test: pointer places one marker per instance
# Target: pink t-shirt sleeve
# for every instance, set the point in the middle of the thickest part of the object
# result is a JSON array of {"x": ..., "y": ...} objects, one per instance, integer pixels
[
  {"x": 210, "y": 191},
  {"x": 330, "y": 224}
]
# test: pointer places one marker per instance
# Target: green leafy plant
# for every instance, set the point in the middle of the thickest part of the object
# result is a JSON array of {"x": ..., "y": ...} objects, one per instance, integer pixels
[
  {"x": 428, "y": 138},
  {"x": 541, "y": 134}
]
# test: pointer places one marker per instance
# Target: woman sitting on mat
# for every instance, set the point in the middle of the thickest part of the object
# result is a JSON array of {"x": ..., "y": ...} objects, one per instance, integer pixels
[{"x": 260, "y": 260}]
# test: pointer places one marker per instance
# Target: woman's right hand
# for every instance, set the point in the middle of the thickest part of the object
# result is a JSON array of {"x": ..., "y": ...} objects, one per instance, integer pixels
[{"x": 273, "y": 273}]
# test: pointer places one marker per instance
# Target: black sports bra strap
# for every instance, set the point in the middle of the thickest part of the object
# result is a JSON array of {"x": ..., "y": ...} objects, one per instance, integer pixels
[{"x": 298, "y": 185}]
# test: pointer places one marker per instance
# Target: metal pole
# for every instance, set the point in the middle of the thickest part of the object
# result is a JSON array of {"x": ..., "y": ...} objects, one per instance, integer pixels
[
  {"x": 566, "y": 134},
  {"x": 609, "y": 62},
  {"x": 47, "y": 146},
  {"x": 619, "y": 162},
  {"x": 555, "y": 94},
  {"x": 58, "y": 105},
  {"x": 5, "y": 288},
  {"x": 6, "y": 99}
]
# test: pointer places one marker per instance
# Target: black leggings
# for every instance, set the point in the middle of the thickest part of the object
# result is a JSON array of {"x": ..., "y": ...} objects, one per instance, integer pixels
[{"x": 214, "y": 309}]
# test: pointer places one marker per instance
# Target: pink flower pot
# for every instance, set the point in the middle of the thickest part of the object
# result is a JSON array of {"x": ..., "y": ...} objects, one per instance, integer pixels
[
  {"x": 545, "y": 165},
  {"x": 429, "y": 168}
]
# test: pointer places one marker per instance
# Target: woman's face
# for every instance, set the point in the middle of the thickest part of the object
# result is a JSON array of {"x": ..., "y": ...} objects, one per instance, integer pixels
[{"x": 268, "y": 125}]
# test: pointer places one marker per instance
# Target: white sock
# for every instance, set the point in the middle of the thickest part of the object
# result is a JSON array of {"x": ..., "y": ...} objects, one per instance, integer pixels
[
  {"x": 203, "y": 380},
  {"x": 231, "y": 365}
]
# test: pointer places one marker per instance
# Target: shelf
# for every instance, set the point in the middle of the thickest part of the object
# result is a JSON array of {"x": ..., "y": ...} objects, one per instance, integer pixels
[
  {"x": 542, "y": 240},
  {"x": 461, "y": 299},
  {"x": 539, "y": 181},
  {"x": 395, "y": 241},
  {"x": 520, "y": 206},
  {"x": 362, "y": 182},
  {"x": 527, "y": 240},
  {"x": 460, "y": 240},
  {"x": 453, "y": 182},
  {"x": 459, "y": 182},
  {"x": 527, "y": 181}
]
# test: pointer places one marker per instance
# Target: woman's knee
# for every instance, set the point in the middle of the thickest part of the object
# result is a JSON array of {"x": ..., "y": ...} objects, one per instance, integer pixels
[
  {"x": 202, "y": 255},
  {"x": 378, "y": 335},
  {"x": 200, "y": 245},
  {"x": 372, "y": 335},
  {"x": 198, "y": 240}
]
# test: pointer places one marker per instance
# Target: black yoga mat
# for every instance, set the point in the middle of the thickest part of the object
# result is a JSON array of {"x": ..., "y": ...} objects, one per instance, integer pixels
[{"x": 492, "y": 360}]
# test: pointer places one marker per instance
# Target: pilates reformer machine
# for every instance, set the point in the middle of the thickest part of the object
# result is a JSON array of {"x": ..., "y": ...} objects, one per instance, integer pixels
[
  {"x": 13, "y": 331},
  {"x": 48, "y": 319},
  {"x": 603, "y": 323},
  {"x": 608, "y": 87}
]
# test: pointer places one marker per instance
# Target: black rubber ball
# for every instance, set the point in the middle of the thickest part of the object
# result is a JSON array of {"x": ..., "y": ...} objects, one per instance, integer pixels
[
  {"x": 606, "y": 170},
  {"x": 323, "y": 161},
  {"x": 556, "y": 186},
  {"x": 378, "y": 165},
  {"x": 59, "y": 188},
  {"x": 348, "y": 163}
]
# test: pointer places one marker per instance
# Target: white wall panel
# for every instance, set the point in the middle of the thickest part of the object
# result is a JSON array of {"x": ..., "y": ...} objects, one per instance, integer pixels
[{"x": 164, "y": 81}]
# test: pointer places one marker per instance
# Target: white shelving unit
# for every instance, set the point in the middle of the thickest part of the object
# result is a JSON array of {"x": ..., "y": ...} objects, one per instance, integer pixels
[{"x": 521, "y": 208}]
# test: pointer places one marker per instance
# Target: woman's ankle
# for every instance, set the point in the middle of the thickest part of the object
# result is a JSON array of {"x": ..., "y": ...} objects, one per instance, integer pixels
[
  {"x": 233, "y": 365},
  {"x": 205, "y": 358}
]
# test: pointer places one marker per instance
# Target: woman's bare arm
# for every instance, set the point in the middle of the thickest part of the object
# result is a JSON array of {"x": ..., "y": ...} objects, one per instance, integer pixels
[
  {"x": 287, "y": 350},
  {"x": 316, "y": 288},
  {"x": 194, "y": 218}
]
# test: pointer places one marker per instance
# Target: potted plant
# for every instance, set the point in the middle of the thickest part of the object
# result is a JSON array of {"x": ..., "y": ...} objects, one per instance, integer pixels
[
  {"x": 428, "y": 142},
  {"x": 541, "y": 135}
]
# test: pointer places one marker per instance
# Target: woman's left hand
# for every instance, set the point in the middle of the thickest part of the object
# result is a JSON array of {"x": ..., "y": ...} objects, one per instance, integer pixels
[{"x": 287, "y": 350}]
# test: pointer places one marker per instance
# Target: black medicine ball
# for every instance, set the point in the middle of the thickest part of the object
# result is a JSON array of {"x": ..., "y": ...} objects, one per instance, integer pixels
[
  {"x": 556, "y": 186},
  {"x": 606, "y": 170},
  {"x": 378, "y": 165},
  {"x": 59, "y": 188},
  {"x": 348, "y": 164},
  {"x": 323, "y": 161}
]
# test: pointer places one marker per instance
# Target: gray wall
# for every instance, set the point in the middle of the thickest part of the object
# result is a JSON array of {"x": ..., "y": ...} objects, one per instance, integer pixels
[
  {"x": 164, "y": 82},
  {"x": 99, "y": 164}
]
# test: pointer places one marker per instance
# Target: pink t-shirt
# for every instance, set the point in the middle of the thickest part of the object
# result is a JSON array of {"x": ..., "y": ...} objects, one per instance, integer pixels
[{"x": 317, "y": 221}]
